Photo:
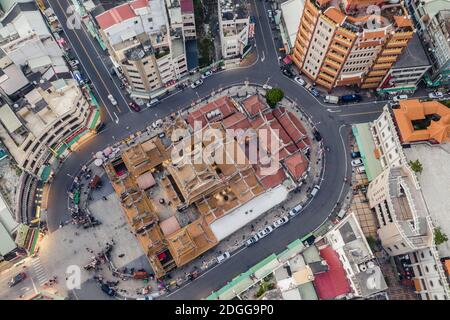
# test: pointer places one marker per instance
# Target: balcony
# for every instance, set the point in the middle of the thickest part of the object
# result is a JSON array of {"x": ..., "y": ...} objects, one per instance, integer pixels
[
  {"x": 329, "y": 70},
  {"x": 382, "y": 66},
  {"x": 387, "y": 59},
  {"x": 338, "y": 48},
  {"x": 336, "y": 57},
  {"x": 391, "y": 52},
  {"x": 402, "y": 35},
  {"x": 379, "y": 73},
  {"x": 333, "y": 64},
  {"x": 342, "y": 41},
  {"x": 373, "y": 79},
  {"x": 369, "y": 85},
  {"x": 327, "y": 77},
  {"x": 324, "y": 83},
  {"x": 397, "y": 44}
]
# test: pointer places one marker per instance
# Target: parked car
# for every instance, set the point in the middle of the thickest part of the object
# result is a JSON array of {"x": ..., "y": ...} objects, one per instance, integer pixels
[
  {"x": 197, "y": 83},
  {"x": 264, "y": 232},
  {"x": 299, "y": 80},
  {"x": 133, "y": 105},
  {"x": 357, "y": 163},
  {"x": 100, "y": 127},
  {"x": 317, "y": 135},
  {"x": 267, "y": 87},
  {"x": 79, "y": 77},
  {"x": 356, "y": 154},
  {"x": 206, "y": 74},
  {"x": 280, "y": 222},
  {"x": 113, "y": 101},
  {"x": 252, "y": 240},
  {"x": 74, "y": 63},
  {"x": 361, "y": 169},
  {"x": 224, "y": 256},
  {"x": 350, "y": 98},
  {"x": 435, "y": 95},
  {"x": 315, "y": 190},
  {"x": 315, "y": 92},
  {"x": 399, "y": 97},
  {"x": 108, "y": 290},
  {"x": 17, "y": 279},
  {"x": 331, "y": 99},
  {"x": 296, "y": 210},
  {"x": 153, "y": 102},
  {"x": 288, "y": 73}
]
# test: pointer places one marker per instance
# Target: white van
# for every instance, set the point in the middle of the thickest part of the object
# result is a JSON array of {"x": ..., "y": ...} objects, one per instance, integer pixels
[{"x": 315, "y": 190}]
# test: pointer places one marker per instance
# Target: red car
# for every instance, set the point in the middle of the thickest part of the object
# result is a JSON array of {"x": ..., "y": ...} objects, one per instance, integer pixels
[{"x": 134, "y": 106}]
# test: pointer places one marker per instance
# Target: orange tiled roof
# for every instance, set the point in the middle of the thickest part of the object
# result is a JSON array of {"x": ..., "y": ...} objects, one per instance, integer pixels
[
  {"x": 297, "y": 164},
  {"x": 335, "y": 15},
  {"x": 416, "y": 110},
  {"x": 403, "y": 21}
]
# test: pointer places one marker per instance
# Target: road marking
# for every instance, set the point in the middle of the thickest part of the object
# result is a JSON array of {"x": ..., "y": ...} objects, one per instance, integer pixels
[
  {"x": 359, "y": 113},
  {"x": 87, "y": 54}
]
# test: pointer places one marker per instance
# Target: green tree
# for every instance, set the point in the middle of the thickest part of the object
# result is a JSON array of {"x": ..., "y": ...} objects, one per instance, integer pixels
[
  {"x": 273, "y": 96},
  {"x": 439, "y": 236},
  {"x": 416, "y": 166}
]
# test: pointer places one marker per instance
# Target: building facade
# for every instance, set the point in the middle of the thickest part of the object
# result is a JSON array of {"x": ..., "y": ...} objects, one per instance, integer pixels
[
  {"x": 347, "y": 47},
  {"x": 431, "y": 18},
  {"x": 141, "y": 41},
  {"x": 406, "y": 228},
  {"x": 234, "y": 22},
  {"x": 36, "y": 126}
]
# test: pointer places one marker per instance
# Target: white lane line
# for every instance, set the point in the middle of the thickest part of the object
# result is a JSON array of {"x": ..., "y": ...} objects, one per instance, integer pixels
[{"x": 81, "y": 60}]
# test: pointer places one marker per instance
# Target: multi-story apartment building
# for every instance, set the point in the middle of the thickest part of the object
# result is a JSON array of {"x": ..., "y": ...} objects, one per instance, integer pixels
[
  {"x": 40, "y": 122},
  {"x": 188, "y": 18},
  {"x": 140, "y": 40},
  {"x": 26, "y": 40},
  {"x": 342, "y": 43},
  {"x": 431, "y": 20},
  {"x": 234, "y": 22}
]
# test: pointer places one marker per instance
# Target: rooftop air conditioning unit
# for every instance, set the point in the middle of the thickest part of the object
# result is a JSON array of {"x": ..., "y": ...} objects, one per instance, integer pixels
[{"x": 362, "y": 267}]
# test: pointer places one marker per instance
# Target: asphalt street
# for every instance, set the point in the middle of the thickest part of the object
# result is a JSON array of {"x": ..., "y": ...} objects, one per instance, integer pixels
[{"x": 333, "y": 122}]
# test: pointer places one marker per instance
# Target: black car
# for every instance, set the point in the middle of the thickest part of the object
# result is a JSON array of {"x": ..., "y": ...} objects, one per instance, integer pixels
[
  {"x": 317, "y": 135},
  {"x": 287, "y": 73},
  {"x": 16, "y": 279},
  {"x": 108, "y": 290},
  {"x": 100, "y": 127},
  {"x": 356, "y": 154}
]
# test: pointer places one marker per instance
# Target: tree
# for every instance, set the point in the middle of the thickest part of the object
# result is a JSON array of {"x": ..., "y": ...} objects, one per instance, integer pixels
[
  {"x": 416, "y": 166},
  {"x": 439, "y": 236},
  {"x": 273, "y": 96}
]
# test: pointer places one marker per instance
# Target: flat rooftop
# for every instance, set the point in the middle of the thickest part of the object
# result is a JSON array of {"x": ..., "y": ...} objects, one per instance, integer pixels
[
  {"x": 232, "y": 9},
  {"x": 413, "y": 56},
  {"x": 435, "y": 183}
]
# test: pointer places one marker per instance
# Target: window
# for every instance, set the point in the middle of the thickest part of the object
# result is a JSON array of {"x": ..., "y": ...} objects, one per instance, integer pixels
[{"x": 395, "y": 246}]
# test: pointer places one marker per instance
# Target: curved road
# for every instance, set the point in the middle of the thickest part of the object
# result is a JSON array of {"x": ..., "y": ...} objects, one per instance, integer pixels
[{"x": 332, "y": 122}]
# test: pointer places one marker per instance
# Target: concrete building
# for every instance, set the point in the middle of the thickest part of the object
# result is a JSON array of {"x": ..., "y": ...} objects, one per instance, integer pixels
[
  {"x": 188, "y": 18},
  {"x": 140, "y": 40},
  {"x": 290, "y": 21},
  {"x": 7, "y": 227},
  {"x": 39, "y": 123},
  {"x": 431, "y": 18},
  {"x": 406, "y": 228},
  {"x": 406, "y": 73},
  {"x": 234, "y": 22},
  {"x": 27, "y": 41},
  {"x": 347, "y": 47}
]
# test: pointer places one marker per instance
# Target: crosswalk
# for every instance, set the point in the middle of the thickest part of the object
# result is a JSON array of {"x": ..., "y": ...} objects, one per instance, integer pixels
[{"x": 41, "y": 274}]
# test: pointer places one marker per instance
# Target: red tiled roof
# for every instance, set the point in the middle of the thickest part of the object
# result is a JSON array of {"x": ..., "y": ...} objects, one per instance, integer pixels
[
  {"x": 253, "y": 105},
  {"x": 138, "y": 4},
  {"x": 271, "y": 181},
  {"x": 187, "y": 6},
  {"x": 115, "y": 15},
  {"x": 332, "y": 283},
  {"x": 297, "y": 164},
  {"x": 224, "y": 104}
]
